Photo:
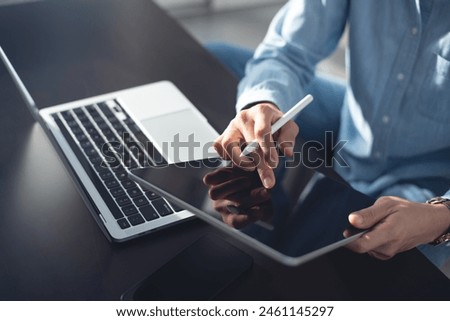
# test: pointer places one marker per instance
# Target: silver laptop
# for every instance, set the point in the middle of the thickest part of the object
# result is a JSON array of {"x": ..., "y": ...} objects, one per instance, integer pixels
[{"x": 101, "y": 138}]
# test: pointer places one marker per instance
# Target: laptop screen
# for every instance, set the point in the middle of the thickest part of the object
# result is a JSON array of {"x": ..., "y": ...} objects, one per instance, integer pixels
[{"x": 303, "y": 216}]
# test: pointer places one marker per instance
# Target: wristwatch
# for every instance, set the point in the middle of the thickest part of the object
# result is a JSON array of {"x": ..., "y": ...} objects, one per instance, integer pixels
[{"x": 446, "y": 236}]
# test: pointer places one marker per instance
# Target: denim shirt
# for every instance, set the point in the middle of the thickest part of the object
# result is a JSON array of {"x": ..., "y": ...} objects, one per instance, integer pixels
[{"x": 396, "y": 111}]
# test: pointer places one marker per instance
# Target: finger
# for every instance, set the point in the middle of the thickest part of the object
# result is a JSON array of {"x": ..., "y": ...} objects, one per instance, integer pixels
[
  {"x": 247, "y": 199},
  {"x": 368, "y": 217},
  {"x": 286, "y": 138},
  {"x": 223, "y": 190},
  {"x": 231, "y": 143},
  {"x": 224, "y": 174},
  {"x": 237, "y": 220},
  {"x": 262, "y": 132},
  {"x": 265, "y": 172},
  {"x": 379, "y": 256},
  {"x": 370, "y": 241},
  {"x": 219, "y": 148}
]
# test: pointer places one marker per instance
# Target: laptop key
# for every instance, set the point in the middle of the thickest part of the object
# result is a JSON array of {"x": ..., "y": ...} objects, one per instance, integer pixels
[
  {"x": 108, "y": 133},
  {"x": 130, "y": 163},
  {"x": 96, "y": 160},
  {"x": 72, "y": 123},
  {"x": 76, "y": 130},
  {"x": 87, "y": 123},
  {"x": 134, "y": 192},
  {"x": 78, "y": 111},
  {"x": 97, "y": 138},
  {"x": 99, "y": 168},
  {"x": 140, "y": 201},
  {"x": 122, "y": 175},
  {"x": 85, "y": 144},
  {"x": 129, "y": 210},
  {"x": 148, "y": 212},
  {"x": 123, "y": 223},
  {"x": 92, "y": 131},
  {"x": 118, "y": 126},
  {"x": 118, "y": 168},
  {"x": 111, "y": 183},
  {"x": 136, "y": 219},
  {"x": 91, "y": 109},
  {"x": 82, "y": 117},
  {"x": 81, "y": 137},
  {"x": 151, "y": 195},
  {"x": 67, "y": 115},
  {"x": 106, "y": 175},
  {"x": 129, "y": 121},
  {"x": 123, "y": 200},
  {"x": 91, "y": 151},
  {"x": 127, "y": 184},
  {"x": 162, "y": 207},
  {"x": 102, "y": 125},
  {"x": 117, "y": 191},
  {"x": 105, "y": 109}
]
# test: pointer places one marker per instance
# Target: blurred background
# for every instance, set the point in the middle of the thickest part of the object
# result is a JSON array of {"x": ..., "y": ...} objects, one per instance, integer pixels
[{"x": 238, "y": 22}]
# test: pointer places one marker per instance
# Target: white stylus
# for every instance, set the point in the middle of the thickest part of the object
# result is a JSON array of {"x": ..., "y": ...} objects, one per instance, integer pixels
[{"x": 253, "y": 146}]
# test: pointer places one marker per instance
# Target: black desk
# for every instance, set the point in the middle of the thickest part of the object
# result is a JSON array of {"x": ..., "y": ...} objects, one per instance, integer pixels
[{"x": 50, "y": 246}]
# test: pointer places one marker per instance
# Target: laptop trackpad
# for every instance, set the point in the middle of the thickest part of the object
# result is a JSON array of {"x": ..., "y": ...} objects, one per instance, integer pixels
[{"x": 181, "y": 136}]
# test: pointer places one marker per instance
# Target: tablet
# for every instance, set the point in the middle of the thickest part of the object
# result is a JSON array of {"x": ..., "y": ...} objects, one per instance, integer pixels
[{"x": 302, "y": 217}]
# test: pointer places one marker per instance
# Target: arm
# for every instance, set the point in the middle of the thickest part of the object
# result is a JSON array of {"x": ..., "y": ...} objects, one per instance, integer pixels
[{"x": 301, "y": 34}]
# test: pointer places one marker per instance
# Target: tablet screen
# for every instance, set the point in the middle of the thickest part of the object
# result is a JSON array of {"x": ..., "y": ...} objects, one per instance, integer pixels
[{"x": 304, "y": 215}]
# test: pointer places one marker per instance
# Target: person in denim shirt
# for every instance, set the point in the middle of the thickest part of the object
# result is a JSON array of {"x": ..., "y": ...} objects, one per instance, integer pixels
[{"x": 393, "y": 112}]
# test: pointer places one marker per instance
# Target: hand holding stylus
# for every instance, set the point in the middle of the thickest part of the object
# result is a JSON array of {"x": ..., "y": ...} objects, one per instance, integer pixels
[{"x": 259, "y": 125}]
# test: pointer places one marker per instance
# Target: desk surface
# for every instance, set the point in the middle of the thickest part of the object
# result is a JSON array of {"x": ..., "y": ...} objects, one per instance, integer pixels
[{"x": 51, "y": 247}]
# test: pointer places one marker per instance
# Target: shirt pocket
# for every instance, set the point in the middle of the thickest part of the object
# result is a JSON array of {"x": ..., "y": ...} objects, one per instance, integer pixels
[{"x": 434, "y": 101}]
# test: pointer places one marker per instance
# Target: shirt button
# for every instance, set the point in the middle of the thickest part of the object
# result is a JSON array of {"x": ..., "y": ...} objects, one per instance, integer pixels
[
  {"x": 377, "y": 155},
  {"x": 414, "y": 31},
  {"x": 385, "y": 119},
  {"x": 400, "y": 76}
]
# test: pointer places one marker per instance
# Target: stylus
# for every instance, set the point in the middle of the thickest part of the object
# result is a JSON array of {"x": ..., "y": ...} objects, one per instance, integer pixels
[{"x": 253, "y": 146}]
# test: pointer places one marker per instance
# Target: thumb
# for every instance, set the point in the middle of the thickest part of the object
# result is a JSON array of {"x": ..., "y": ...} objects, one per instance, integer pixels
[{"x": 367, "y": 217}]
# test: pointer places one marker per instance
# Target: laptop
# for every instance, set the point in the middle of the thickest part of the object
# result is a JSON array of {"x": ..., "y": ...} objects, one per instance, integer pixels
[
  {"x": 101, "y": 138},
  {"x": 304, "y": 216}
]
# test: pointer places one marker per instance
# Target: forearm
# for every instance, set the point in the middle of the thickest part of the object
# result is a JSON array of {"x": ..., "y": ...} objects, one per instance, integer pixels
[{"x": 302, "y": 34}]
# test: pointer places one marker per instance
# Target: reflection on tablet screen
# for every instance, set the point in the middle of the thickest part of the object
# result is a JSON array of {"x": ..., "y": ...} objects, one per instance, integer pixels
[{"x": 304, "y": 212}]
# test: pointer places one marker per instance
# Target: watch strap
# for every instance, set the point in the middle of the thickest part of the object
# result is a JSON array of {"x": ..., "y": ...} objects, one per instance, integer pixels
[{"x": 446, "y": 236}]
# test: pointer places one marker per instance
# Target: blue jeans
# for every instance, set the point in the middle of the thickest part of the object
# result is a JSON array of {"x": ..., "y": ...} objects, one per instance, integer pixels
[{"x": 322, "y": 115}]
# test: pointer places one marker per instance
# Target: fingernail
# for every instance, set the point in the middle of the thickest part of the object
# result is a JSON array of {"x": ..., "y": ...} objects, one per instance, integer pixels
[
  {"x": 267, "y": 182},
  {"x": 274, "y": 161},
  {"x": 355, "y": 219},
  {"x": 289, "y": 151}
]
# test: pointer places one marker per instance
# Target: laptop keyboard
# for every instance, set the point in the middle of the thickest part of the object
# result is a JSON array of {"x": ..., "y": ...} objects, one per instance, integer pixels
[{"x": 111, "y": 146}]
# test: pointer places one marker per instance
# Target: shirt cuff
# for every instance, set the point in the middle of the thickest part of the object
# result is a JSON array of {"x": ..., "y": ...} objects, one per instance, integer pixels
[{"x": 253, "y": 96}]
